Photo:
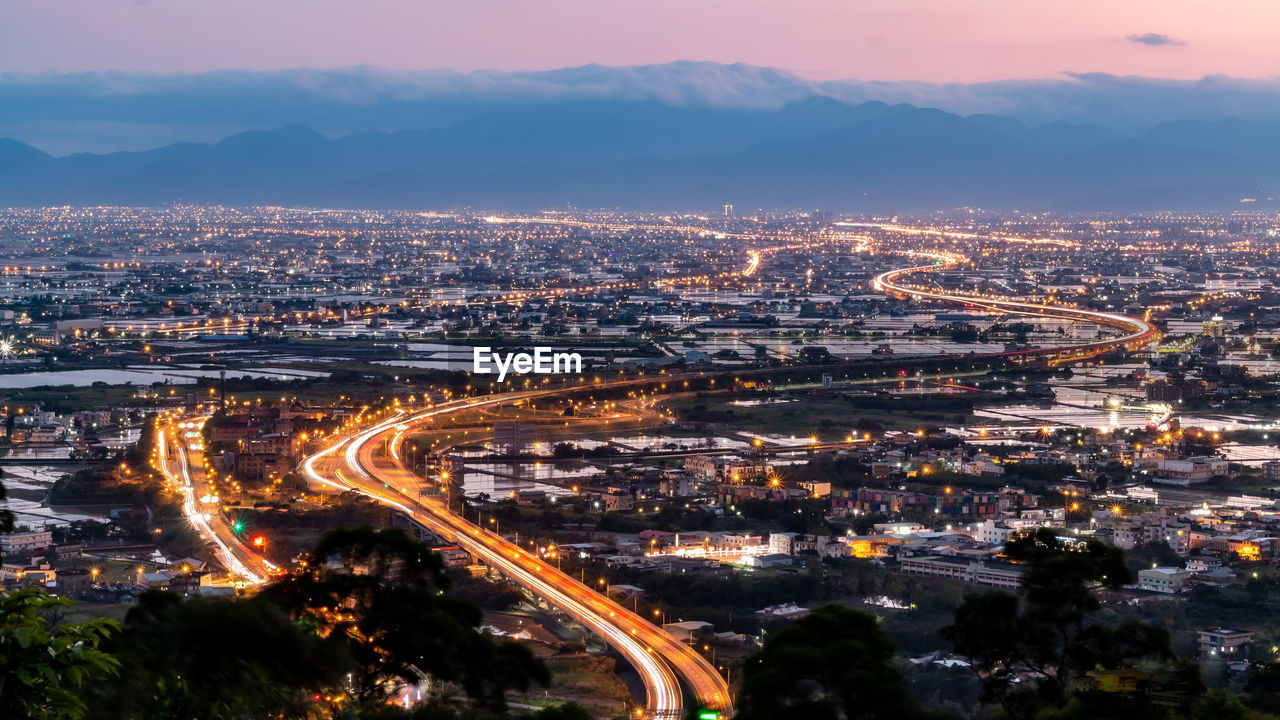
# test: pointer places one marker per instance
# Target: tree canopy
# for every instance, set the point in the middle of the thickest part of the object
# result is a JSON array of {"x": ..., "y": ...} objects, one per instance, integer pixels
[
  {"x": 833, "y": 664},
  {"x": 381, "y": 594},
  {"x": 43, "y": 662},
  {"x": 208, "y": 659},
  {"x": 1041, "y": 649}
]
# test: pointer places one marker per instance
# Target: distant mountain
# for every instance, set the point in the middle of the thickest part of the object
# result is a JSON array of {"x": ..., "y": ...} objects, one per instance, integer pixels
[
  {"x": 17, "y": 155},
  {"x": 810, "y": 152},
  {"x": 107, "y": 111}
]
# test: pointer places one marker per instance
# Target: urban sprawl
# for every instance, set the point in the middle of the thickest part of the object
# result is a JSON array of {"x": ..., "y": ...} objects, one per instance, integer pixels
[{"x": 774, "y": 410}]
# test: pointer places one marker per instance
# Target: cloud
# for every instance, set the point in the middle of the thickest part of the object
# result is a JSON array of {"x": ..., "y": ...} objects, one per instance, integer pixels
[
  {"x": 114, "y": 110},
  {"x": 103, "y": 111},
  {"x": 1126, "y": 103},
  {"x": 1155, "y": 40}
]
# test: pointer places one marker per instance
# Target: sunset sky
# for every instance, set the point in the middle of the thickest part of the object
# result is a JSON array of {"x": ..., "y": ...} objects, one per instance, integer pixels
[{"x": 929, "y": 40}]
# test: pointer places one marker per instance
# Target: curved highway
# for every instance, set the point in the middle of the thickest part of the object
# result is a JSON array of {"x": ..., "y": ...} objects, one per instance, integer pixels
[
  {"x": 357, "y": 463},
  {"x": 1136, "y": 333}
]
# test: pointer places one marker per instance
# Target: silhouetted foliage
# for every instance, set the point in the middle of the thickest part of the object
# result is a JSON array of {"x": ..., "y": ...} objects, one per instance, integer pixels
[
  {"x": 6, "y": 515},
  {"x": 381, "y": 594},
  {"x": 834, "y": 663},
  {"x": 1034, "y": 651},
  {"x": 200, "y": 658}
]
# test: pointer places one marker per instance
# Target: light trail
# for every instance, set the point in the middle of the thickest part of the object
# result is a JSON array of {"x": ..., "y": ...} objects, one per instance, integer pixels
[
  {"x": 1137, "y": 333},
  {"x": 229, "y": 552},
  {"x": 960, "y": 235},
  {"x": 652, "y": 651}
]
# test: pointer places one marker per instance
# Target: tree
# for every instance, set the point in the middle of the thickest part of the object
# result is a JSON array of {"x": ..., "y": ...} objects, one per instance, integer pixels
[
  {"x": 1219, "y": 705},
  {"x": 1030, "y": 651},
  {"x": 6, "y": 516},
  {"x": 207, "y": 659},
  {"x": 1262, "y": 690},
  {"x": 382, "y": 595},
  {"x": 44, "y": 663},
  {"x": 448, "y": 711},
  {"x": 831, "y": 664},
  {"x": 1147, "y": 554}
]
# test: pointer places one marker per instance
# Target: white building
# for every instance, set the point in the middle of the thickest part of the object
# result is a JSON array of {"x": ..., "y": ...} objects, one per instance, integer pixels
[
  {"x": 977, "y": 572},
  {"x": 1163, "y": 579},
  {"x": 1199, "y": 565},
  {"x": 991, "y": 532},
  {"x": 783, "y": 543},
  {"x": 999, "y": 532}
]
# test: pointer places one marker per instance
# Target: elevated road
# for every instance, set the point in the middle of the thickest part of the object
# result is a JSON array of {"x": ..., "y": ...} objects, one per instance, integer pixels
[
  {"x": 357, "y": 463},
  {"x": 1135, "y": 333}
]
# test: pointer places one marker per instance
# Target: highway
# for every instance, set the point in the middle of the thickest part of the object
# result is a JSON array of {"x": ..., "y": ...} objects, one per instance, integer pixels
[
  {"x": 356, "y": 463},
  {"x": 942, "y": 232},
  {"x": 1136, "y": 332},
  {"x": 172, "y": 449}
]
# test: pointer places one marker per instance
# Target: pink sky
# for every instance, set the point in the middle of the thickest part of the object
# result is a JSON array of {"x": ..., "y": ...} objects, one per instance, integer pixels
[{"x": 930, "y": 40}]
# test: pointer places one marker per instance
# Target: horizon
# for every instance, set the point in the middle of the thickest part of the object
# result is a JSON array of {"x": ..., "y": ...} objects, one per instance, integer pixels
[{"x": 104, "y": 111}]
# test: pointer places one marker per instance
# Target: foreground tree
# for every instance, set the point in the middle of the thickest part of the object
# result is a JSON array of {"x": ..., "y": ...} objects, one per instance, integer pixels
[
  {"x": 833, "y": 664},
  {"x": 440, "y": 710},
  {"x": 1035, "y": 652},
  {"x": 43, "y": 662},
  {"x": 381, "y": 595},
  {"x": 6, "y": 516},
  {"x": 208, "y": 659}
]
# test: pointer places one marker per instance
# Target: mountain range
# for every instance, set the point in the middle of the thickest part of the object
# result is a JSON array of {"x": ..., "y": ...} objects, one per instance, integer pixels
[{"x": 651, "y": 152}]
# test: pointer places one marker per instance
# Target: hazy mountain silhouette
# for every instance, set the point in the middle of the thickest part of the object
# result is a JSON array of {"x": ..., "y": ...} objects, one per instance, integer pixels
[{"x": 814, "y": 152}]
